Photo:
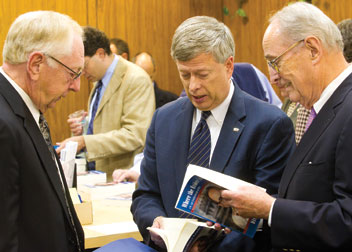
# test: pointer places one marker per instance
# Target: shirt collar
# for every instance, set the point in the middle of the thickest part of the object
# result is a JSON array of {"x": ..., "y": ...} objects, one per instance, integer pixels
[
  {"x": 330, "y": 89},
  {"x": 107, "y": 76},
  {"x": 27, "y": 100},
  {"x": 220, "y": 111}
]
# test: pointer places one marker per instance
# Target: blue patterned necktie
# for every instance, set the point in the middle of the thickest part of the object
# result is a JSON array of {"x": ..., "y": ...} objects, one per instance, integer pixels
[
  {"x": 199, "y": 151},
  {"x": 91, "y": 165},
  {"x": 95, "y": 107}
]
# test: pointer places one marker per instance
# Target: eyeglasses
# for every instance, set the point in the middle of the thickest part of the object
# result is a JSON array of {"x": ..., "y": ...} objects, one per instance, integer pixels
[
  {"x": 75, "y": 75},
  {"x": 273, "y": 63}
]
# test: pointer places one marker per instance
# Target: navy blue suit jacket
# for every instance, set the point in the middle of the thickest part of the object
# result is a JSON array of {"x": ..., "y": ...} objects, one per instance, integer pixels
[
  {"x": 316, "y": 212},
  {"x": 256, "y": 153},
  {"x": 247, "y": 79}
]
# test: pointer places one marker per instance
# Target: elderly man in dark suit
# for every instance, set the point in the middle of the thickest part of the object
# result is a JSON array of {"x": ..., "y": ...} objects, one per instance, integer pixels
[
  {"x": 247, "y": 138},
  {"x": 314, "y": 209},
  {"x": 43, "y": 60}
]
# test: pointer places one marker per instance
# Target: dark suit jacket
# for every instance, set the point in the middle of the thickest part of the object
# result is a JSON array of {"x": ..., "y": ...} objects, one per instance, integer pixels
[
  {"x": 316, "y": 212},
  {"x": 247, "y": 79},
  {"x": 162, "y": 96},
  {"x": 33, "y": 212},
  {"x": 256, "y": 153}
]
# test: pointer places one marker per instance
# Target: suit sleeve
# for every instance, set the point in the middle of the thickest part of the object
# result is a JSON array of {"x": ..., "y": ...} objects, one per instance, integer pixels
[
  {"x": 147, "y": 202},
  {"x": 138, "y": 109},
  {"x": 271, "y": 158},
  {"x": 9, "y": 189}
]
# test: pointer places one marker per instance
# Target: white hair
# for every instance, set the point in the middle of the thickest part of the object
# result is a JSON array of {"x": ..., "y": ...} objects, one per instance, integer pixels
[
  {"x": 45, "y": 31},
  {"x": 299, "y": 20}
]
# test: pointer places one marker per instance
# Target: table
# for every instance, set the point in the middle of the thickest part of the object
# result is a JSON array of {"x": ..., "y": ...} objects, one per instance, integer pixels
[{"x": 112, "y": 220}]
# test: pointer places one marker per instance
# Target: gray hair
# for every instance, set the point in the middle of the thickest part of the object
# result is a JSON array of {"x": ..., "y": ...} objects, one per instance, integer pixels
[
  {"x": 299, "y": 20},
  {"x": 345, "y": 27},
  {"x": 44, "y": 31},
  {"x": 202, "y": 34}
]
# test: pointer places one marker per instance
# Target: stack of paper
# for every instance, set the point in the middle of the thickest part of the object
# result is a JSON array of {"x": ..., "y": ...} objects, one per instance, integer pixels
[
  {"x": 91, "y": 178},
  {"x": 108, "y": 190}
]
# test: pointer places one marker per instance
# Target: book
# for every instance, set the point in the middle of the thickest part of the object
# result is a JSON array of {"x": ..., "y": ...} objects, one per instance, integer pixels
[
  {"x": 128, "y": 244},
  {"x": 180, "y": 235},
  {"x": 199, "y": 194}
]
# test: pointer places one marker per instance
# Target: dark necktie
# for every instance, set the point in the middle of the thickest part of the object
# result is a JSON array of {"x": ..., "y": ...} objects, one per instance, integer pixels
[
  {"x": 95, "y": 107},
  {"x": 199, "y": 151},
  {"x": 91, "y": 165},
  {"x": 44, "y": 129}
]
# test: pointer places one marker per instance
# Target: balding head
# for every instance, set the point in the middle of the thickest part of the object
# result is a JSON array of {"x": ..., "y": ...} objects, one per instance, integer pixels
[{"x": 145, "y": 61}]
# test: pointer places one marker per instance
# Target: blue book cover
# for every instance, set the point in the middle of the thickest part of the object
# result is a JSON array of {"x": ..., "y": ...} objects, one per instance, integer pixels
[
  {"x": 128, "y": 244},
  {"x": 199, "y": 198}
]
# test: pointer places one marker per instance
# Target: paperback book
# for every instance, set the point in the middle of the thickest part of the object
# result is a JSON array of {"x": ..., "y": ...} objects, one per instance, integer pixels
[{"x": 199, "y": 197}]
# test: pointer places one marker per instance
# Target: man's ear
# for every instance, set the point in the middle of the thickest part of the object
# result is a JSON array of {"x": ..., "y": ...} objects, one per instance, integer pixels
[
  {"x": 100, "y": 52},
  {"x": 229, "y": 66},
  {"x": 35, "y": 60},
  {"x": 315, "y": 47}
]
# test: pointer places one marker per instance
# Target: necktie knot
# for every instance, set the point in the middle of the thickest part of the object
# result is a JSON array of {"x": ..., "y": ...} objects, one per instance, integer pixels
[{"x": 205, "y": 114}]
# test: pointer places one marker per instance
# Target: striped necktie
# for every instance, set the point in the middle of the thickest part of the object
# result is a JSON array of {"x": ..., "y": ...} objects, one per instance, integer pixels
[{"x": 199, "y": 151}]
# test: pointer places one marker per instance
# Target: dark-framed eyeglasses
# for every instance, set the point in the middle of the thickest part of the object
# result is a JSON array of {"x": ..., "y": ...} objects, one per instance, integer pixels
[
  {"x": 273, "y": 63},
  {"x": 75, "y": 76}
]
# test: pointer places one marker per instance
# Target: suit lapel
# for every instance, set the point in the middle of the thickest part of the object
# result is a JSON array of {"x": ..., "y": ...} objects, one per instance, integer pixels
[
  {"x": 316, "y": 129},
  {"x": 230, "y": 132},
  {"x": 21, "y": 110},
  {"x": 47, "y": 162},
  {"x": 114, "y": 84}
]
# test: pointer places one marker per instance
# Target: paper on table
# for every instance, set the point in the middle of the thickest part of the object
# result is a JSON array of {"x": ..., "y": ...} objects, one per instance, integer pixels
[{"x": 113, "y": 228}]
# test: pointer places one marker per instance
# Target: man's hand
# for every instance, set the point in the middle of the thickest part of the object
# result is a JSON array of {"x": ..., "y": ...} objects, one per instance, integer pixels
[
  {"x": 78, "y": 139},
  {"x": 76, "y": 124},
  {"x": 248, "y": 201},
  {"x": 157, "y": 223},
  {"x": 120, "y": 175}
]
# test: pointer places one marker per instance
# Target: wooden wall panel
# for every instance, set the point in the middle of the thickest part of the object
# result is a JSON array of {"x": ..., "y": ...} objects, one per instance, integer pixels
[
  {"x": 336, "y": 10},
  {"x": 148, "y": 25},
  {"x": 248, "y": 35}
]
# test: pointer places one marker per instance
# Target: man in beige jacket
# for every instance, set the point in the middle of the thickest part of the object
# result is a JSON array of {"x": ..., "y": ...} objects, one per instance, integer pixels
[{"x": 121, "y": 106}]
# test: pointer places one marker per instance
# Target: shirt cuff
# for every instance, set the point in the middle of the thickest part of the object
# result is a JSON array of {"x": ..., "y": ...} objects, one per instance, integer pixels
[{"x": 270, "y": 213}]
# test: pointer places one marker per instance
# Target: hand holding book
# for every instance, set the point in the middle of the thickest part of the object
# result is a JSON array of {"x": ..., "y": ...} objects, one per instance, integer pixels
[{"x": 200, "y": 196}]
